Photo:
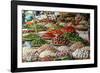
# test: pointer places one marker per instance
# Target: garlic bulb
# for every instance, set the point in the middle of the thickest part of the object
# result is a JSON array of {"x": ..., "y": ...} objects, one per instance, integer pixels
[{"x": 82, "y": 53}]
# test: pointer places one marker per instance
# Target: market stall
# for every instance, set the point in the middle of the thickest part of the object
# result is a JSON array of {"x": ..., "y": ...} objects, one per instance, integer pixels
[{"x": 53, "y": 36}]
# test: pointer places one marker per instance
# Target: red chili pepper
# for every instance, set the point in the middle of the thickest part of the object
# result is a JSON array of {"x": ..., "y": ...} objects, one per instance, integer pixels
[
  {"x": 48, "y": 36},
  {"x": 56, "y": 32},
  {"x": 68, "y": 29},
  {"x": 29, "y": 23}
]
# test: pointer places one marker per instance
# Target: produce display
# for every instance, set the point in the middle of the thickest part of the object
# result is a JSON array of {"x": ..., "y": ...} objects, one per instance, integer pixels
[
  {"x": 55, "y": 36},
  {"x": 35, "y": 40},
  {"x": 82, "y": 53}
]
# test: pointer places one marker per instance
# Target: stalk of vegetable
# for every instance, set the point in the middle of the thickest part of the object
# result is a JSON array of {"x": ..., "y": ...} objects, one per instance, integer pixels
[
  {"x": 35, "y": 27},
  {"x": 34, "y": 14},
  {"x": 30, "y": 37}
]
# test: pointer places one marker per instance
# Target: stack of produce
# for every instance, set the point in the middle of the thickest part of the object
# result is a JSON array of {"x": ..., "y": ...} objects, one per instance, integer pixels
[
  {"x": 82, "y": 53},
  {"x": 69, "y": 29},
  {"x": 63, "y": 53},
  {"x": 76, "y": 45},
  {"x": 35, "y": 39},
  {"x": 50, "y": 53},
  {"x": 38, "y": 42},
  {"x": 46, "y": 47},
  {"x": 47, "y": 53},
  {"x": 29, "y": 55},
  {"x": 57, "y": 40},
  {"x": 48, "y": 36}
]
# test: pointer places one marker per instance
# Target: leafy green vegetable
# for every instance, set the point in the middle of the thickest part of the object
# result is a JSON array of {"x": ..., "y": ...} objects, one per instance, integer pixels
[
  {"x": 30, "y": 37},
  {"x": 38, "y": 42},
  {"x": 72, "y": 37}
]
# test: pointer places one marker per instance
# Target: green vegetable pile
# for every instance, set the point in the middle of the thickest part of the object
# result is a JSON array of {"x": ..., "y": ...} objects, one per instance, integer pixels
[
  {"x": 30, "y": 37},
  {"x": 35, "y": 40},
  {"x": 72, "y": 37},
  {"x": 38, "y": 42}
]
